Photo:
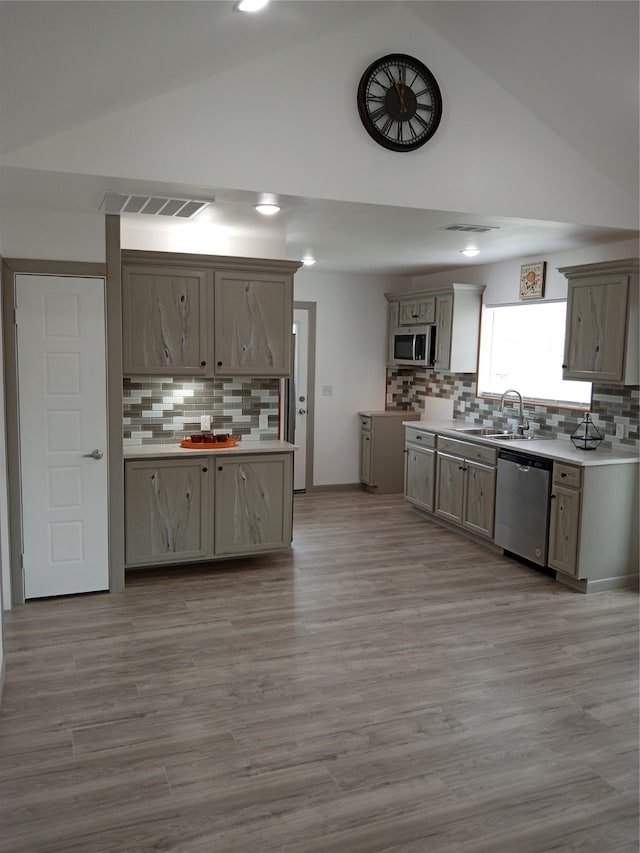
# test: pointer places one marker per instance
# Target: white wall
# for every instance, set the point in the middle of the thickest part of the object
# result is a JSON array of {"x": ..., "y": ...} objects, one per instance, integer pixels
[
  {"x": 53, "y": 235},
  {"x": 490, "y": 154},
  {"x": 502, "y": 279},
  {"x": 155, "y": 235},
  {"x": 351, "y": 331}
]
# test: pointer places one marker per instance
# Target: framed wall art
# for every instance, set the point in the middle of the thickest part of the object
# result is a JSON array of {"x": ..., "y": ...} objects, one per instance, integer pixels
[{"x": 532, "y": 280}]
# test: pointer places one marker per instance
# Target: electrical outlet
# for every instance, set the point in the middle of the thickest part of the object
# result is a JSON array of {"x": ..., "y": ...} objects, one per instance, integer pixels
[
  {"x": 205, "y": 422},
  {"x": 263, "y": 421},
  {"x": 619, "y": 430}
]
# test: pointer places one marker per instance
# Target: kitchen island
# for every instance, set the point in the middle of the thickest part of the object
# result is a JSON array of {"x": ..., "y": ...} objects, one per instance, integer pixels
[
  {"x": 593, "y": 502},
  {"x": 185, "y": 505}
]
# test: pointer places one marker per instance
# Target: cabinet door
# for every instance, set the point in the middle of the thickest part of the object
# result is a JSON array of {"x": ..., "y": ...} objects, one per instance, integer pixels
[
  {"x": 164, "y": 321},
  {"x": 419, "y": 478},
  {"x": 595, "y": 331},
  {"x": 253, "y": 324},
  {"x": 253, "y": 503},
  {"x": 444, "y": 319},
  {"x": 365, "y": 458},
  {"x": 479, "y": 498},
  {"x": 167, "y": 510},
  {"x": 413, "y": 312},
  {"x": 450, "y": 487},
  {"x": 564, "y": 529}
]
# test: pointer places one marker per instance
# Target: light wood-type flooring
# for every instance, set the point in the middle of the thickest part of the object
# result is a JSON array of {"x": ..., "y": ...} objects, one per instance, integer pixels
[{"x": 386, "y": 686}]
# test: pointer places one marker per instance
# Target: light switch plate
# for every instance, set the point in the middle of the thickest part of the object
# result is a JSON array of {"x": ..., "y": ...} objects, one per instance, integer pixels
[
  {"x": 263, "y": 421},
  {"x": 619, "y": 430},
  {"x": 205, "y": 421}
]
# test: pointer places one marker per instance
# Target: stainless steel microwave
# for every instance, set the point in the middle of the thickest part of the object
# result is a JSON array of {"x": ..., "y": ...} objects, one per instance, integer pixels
[{"x": 414, "y": 345}]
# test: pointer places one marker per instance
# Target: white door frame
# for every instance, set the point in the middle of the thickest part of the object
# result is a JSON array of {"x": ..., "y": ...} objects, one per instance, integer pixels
[
  {"x": 310, "y": 308},
  {"x": 10, "y": 268}
]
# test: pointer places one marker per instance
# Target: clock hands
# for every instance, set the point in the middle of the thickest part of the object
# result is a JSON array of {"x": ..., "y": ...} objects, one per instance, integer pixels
[{"x": 400, "y": 91}]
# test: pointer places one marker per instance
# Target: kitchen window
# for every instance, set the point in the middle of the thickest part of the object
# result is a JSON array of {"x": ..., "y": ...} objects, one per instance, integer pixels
[{"x": 522, "y": 347}]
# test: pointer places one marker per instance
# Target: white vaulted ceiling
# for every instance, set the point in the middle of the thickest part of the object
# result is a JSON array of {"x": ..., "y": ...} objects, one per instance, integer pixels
[{"x": 566, "y": 71}]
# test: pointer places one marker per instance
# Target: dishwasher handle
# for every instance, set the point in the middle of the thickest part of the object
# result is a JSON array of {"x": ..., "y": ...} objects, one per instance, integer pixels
[{"x": 524, "y": 462}]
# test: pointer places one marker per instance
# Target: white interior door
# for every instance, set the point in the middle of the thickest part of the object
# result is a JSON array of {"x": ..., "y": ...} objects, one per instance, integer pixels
[
  {"x": 301, "y": 399},
  {"x": 63, "y": 420}
]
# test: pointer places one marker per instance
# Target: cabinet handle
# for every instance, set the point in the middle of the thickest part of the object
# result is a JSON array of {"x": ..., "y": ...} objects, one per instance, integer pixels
[
  {"x": 461, "y": 468},
  {"x": 219, "y": 467},
  {"x": 219, "y": 364},
  {"x": 553, "y": 497},
  {"x": 418, "y": 438},
  {"x": 563, "y": 475},
  {"x": 204, "y": 470},
  {"x": 565, "y": 365},
  {"x": 203, "y": 364}
]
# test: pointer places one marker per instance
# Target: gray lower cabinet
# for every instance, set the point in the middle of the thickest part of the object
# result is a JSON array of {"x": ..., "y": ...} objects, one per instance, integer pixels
[
  {"x": 187, "y": 510},
  {"x": 253, "y": 504},
  {"x": 420, "y": 469},
  {"x": 593, "y": 525},
  {"x": 466, "y": 485},
  {"x": 381, "y": 467},
  {"x": 167, "y": 510}
]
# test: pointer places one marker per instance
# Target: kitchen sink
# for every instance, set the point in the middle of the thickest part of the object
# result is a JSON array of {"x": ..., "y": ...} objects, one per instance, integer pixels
[
  {"x": 487, "y": 431},
  {"x": 512, "y": 436}
]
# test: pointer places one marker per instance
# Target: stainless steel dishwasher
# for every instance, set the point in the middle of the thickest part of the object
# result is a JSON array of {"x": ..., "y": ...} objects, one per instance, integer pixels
[{"x": 523, "y": 487}]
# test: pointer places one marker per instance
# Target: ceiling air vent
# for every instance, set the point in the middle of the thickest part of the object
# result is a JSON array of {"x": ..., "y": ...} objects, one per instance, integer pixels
[
  {"x": 181, "y": 208},
  {"x": 473, "y": 229}
]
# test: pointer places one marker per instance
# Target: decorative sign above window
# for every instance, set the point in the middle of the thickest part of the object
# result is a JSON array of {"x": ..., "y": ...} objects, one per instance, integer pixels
[{"x": 532, "y": 280}]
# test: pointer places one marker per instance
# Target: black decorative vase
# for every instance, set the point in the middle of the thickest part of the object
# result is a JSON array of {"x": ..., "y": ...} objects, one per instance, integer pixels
[{"x": 586, "y": 436}]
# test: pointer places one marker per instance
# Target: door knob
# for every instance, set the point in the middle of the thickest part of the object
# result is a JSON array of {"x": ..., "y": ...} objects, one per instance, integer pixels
[
  {"x": 302, "y": 411},
  {"x": 95, "y": 454}
]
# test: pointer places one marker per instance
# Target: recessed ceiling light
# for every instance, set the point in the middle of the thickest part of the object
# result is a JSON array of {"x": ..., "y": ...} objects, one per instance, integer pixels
[
  {"x": 308, "y": 261},
  {"x": 470, "y": 253},
  {"x": 267, "y": 209},
  {"x": 250, "y": 5}
]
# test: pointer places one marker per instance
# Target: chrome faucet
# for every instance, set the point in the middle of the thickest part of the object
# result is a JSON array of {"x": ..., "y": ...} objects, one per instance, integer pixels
[{"x": 523, "y": 423}]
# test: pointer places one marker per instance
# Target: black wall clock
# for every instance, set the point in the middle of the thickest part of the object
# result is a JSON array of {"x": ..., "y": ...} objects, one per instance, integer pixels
[{"x": 399, "y": 102}]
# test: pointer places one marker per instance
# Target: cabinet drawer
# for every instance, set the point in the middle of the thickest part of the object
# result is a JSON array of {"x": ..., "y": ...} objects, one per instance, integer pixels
[
  {"x": 488, "y": 455},
  {"x": 567, "y": 475},
  {"x": 365, "y": 423},
  {"x": 418, "y": 436}
]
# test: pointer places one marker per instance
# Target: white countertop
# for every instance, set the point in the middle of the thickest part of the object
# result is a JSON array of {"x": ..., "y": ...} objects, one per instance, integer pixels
[
  {"x": 392, "y": 413},
  {"x": 146, "y": 451},
  {"x": 561, "y": 450}
]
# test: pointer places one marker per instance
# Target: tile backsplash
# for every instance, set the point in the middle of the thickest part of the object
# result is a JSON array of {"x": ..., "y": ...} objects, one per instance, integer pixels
[
  {"x": 162, "y": 410},
  {"x": 611, "y": 404}
]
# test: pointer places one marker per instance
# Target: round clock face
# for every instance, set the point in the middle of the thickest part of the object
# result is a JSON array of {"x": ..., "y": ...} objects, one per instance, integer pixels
[{"x": 399, "y": 102}]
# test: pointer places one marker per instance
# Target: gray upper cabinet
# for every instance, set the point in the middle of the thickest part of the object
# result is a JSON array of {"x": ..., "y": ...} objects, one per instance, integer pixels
[
  {"x": 416, "y": 311},
  {"x": 206, "y": 315},
  {"x": 253, "y": 324},
  {"x": 601, "y": 338},
  {"x": 455, "y": 311},
  {"x": 164, "y": 311}
]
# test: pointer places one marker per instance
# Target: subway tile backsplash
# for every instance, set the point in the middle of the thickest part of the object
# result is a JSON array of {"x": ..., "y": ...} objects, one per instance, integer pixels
[
  {"x": 611, "y": 404},
  {"x": 163, "y": 410}
]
